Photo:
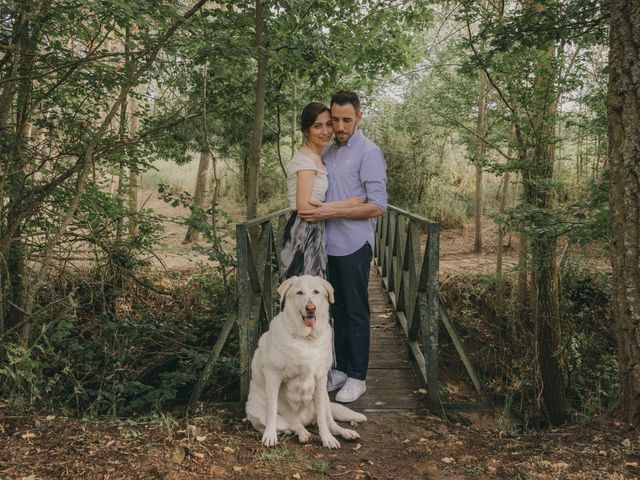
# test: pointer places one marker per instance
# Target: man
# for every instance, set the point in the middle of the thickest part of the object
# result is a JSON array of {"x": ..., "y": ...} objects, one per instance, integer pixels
[{"x": 355, "y": 167}]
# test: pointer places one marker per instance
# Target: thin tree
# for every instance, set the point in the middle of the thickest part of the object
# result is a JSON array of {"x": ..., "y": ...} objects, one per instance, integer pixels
[
  {"x": 200, "y": 193},
  {"x": 481, "y": 132},
  {"x": 253, "y": 162}
]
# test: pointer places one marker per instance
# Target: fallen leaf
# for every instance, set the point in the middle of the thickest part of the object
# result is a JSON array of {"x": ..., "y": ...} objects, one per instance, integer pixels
[
  {"x": 340, "y": 467},
  {"x": 448, "y": 460},
  {"x": 602, "y": 453},
  {"x": 50, "y": 417},
  {"x": 228, "y": 450},
  {"x": 217, "y": 472},
  {"x": 369, "y": 462},
  {"x": 29, "y": 477},
  {"x": 357, "y": 447},
  {"x": 626, "y": 443},
  {"x": 406, "y": 440},
  {"x": 237, "y": 468},
  {"x": 631, "y": 464},
  {"x": 423, "y": 440},
  {"x": 28, "y": 435},
  {"x": 296, "y": 475},
  {"x": 178, "y": 455},
  {"x": 423, "y": 391},
  {"x": 199, "y": 455},
  {"x": 201, "y": 438}
]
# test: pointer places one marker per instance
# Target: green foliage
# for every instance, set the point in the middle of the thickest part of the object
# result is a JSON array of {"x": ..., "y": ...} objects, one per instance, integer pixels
[
  {"x": 505, "y": 362},
  {"x": 144, "y": 357}
]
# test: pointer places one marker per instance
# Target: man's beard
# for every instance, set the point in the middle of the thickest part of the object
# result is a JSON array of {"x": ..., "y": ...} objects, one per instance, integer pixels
[{"x": 342, "y": 142}]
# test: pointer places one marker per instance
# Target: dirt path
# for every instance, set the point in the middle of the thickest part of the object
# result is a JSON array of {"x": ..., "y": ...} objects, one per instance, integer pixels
[{"x": 223, "y": 446}]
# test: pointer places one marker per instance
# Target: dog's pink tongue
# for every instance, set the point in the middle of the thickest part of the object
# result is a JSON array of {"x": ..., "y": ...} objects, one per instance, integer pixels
[{"x": 309, "y": 321}]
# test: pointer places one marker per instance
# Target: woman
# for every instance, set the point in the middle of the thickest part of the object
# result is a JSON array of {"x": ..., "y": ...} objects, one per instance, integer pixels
[{"x": 303, "y": 244}]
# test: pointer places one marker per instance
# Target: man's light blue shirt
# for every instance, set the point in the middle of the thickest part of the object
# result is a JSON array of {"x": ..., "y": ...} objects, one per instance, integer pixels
[{"x": 355, "y": 169}]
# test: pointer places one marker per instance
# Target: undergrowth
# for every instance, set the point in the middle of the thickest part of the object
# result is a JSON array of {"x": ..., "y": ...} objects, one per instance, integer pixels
[
  {"x": 502, "y": 347},
  {"x": 142, "y": 356}
]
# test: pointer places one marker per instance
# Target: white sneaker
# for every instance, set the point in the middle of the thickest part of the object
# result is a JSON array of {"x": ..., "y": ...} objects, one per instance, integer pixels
[
  {"x": 351, "y": 391},
  {"x": 335, "y": 380}
]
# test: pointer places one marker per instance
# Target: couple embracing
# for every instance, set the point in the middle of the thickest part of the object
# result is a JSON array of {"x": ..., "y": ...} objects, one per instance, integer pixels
[{"x": 337, "y": 188}]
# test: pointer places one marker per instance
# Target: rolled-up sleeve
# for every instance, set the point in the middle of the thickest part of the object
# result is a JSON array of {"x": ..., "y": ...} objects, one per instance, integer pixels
[{"x": 373, "y": 173}]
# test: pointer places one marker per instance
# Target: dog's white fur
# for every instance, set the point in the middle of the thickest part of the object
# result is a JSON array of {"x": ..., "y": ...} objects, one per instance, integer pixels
[{"x": 290, "y": 366}]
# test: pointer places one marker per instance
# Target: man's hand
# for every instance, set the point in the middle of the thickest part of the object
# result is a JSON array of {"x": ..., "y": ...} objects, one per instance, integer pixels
[{"x": 317, "y": 214}]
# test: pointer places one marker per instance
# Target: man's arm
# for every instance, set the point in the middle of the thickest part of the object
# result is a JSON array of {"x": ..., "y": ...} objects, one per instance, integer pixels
[{"x": 325, "y": 211}]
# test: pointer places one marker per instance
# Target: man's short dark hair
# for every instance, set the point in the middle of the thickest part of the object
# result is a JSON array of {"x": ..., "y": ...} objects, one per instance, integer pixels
[{"x": 344, "y": 97}]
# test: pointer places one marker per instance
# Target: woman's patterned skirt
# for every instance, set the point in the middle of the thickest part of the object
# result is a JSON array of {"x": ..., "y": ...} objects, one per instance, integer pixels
[{"x": 303, "y": 250}]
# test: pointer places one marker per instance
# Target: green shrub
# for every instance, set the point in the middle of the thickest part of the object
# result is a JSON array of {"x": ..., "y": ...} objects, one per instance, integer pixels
[{"x": 144, "y": 356}]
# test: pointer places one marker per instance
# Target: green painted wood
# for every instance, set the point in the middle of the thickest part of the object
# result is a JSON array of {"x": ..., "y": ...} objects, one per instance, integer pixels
[
  {"x": 257, "y": 280},
  {"x": 430, "y": 326},
  {"x": 408, "y": 273},
  {"x": 457, "y": 342},
  {"x": 242, "y": 282}
]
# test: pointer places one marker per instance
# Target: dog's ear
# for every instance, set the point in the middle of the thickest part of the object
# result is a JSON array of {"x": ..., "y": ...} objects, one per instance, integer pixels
[
  {"x": 329, "y": 289},
  {"x": 283, "y": 289}
]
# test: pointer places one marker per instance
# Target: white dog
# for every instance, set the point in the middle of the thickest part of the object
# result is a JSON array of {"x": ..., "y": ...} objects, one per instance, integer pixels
[{"x": 289, "y": 368}]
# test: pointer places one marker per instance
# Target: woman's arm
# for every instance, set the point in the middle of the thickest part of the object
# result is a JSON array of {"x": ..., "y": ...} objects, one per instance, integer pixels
[{"x": 304, "y": 188}]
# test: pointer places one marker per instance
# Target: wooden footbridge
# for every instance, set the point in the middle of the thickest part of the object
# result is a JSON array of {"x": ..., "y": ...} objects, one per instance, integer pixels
[{"x": 406, "y": 312}]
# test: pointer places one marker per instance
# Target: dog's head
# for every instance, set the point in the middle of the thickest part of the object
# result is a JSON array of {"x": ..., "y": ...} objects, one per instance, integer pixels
[{"x": 306, "y": 299}]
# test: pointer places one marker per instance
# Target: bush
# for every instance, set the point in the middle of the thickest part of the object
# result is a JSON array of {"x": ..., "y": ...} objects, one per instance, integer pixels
[
  {"x": 144, "y": 356},
  {"x": 505, "y": 363}
]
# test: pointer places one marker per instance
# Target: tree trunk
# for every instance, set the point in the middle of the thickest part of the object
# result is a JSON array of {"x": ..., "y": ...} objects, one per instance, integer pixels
[
  {"x": 200, "y": 194},
  {"x": 481, "y": 131},
  {"x": 546, "y": 305},
  {"x": 294, "y": 111},
  {"x": 134, "y": 176},
  {"x": 500, "y": 247},
  {"x": 253, "y": 164},
  {"x": 623, "y": 110}
]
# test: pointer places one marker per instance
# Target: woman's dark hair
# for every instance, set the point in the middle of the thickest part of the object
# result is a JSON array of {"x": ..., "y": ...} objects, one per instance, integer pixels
[{"x": 310, "y": 113}]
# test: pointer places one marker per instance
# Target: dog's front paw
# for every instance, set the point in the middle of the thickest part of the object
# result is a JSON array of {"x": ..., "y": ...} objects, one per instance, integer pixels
[
  {"x": 270, "y": 438},
  {"x": 330, "y": 441},
  {"x": 304, "y": 436},
  {"x": 349, "y": 434}
]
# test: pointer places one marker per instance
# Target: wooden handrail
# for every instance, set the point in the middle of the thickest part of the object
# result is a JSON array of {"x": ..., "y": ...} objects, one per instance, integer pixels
[{"x": 409, "y": 273}]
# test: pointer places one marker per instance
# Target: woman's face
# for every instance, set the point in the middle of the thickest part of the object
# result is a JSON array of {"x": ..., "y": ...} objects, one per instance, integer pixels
[{"x": 319, "y": 133}]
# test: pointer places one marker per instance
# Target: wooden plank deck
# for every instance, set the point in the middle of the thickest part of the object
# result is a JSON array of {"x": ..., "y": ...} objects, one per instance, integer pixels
[{"x": 391, "y": 384}]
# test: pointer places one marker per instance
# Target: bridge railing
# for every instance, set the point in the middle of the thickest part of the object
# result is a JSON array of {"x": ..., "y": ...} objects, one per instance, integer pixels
[
  {"x": 257, "y": 276},
  {"x": 410, "y": 275}
]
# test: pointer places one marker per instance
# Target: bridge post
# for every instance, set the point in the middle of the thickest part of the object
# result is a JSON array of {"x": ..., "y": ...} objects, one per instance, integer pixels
[
  {"x": 244, "y": 307},
  {"x": 430, "y": 333}
]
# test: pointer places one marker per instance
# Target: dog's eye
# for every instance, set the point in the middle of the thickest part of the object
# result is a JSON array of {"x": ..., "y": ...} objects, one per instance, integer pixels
[
  {"x": 299, "y": 292},
  {"x": 316, "y": 292}
]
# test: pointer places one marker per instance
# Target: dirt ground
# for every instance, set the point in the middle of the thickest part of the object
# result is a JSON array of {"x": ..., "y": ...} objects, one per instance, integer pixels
[{"x": 218, "y": 443}]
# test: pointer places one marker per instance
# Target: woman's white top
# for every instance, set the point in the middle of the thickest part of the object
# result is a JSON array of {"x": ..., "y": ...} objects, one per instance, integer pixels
[{"x": 320, "y": 182}]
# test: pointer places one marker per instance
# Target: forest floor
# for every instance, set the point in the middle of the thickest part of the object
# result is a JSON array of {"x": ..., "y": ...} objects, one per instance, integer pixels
[{"x": 218, "y": 443}]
